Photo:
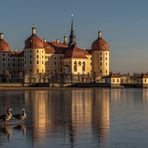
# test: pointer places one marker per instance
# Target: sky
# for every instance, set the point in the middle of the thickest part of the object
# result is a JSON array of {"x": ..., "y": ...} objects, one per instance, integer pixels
[{"x": 124, "y": 24}]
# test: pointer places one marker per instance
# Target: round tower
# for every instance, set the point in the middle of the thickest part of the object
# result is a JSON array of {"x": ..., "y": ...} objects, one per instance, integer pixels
[
  {"x": 100, "y": 56},
  {"x": 34, "y": 54},
  {"x": 5, "y": 50}
]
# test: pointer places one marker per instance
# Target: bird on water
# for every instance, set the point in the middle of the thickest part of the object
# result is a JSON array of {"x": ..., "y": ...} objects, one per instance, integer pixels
[
  {"x": 21, "y": 116},
  {"x": 7, "y": 116}
]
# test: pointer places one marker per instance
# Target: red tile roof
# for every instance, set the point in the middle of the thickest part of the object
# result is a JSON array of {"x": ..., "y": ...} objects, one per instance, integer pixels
[
  {"x": 34, "y": 42},
  {"x": 75, "y": 52},
  {"x": 100, "y": 44},
  {"x": 4, "y": 46},
  {"x": 56, "y": 47},
  {"x": 17, "y": 54}
]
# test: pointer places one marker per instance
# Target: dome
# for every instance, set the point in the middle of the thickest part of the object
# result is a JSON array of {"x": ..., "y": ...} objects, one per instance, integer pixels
[
  {"x": 100, "y": 44},
  {"x": 4, "y": 46},
  {"x": 34, "y": 41}
]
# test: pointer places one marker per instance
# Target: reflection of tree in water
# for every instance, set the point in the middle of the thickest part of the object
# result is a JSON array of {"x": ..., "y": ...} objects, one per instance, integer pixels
[{"x": 100, "y": 113}]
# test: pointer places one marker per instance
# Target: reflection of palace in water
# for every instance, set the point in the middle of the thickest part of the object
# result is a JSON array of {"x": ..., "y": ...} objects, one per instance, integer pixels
[{"x": 67, "y": 114}]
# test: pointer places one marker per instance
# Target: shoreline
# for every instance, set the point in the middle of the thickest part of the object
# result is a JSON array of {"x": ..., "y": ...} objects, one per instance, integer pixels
[{"x": 59, "y": 88}]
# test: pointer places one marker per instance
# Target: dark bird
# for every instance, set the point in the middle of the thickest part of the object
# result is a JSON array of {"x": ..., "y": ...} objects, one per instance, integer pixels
[
  {"x": 7, "y": 116},
  {"x": 21, "y": 116}
]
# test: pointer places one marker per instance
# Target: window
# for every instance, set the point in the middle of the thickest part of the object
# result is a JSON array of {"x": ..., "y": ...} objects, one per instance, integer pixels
[
  {"x": 79, "y": 63},
  {"x": 37, "y": 62},
  {"x": 101, "y": 64},
  {"x": 106, "y": 59},
  {"x": 42, "y": 62},
  {"x": 55, "y": 63},
  {"x": 100, "y": 58},
  {"x": 37, "y": 56},
  {"x": 83, "y": 67},
  {"x": 75, "y": 66},
  {"x": 106, "y": 64},
  {"x": 37, "y": 51},
  {"x": 100, "y": 53},
  {"x": 37, "y": 70}
]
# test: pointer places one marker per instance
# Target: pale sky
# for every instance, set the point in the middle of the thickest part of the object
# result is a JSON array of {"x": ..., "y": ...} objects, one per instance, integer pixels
[{"x": 124, "y": 24}]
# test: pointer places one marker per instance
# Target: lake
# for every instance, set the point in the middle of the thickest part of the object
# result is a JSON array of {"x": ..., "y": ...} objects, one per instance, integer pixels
[{"x": 76, "y": 118}]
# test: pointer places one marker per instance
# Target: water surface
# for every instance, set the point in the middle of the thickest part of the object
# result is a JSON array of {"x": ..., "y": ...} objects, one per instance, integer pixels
[{"x": 76, "y": 118}]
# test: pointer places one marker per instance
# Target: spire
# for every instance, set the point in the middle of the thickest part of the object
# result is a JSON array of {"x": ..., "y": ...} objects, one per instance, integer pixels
[
  {"x": 72, "y": 25},
  {"x": 33, "y": 30},
  {"x": 72, "y": 37}
]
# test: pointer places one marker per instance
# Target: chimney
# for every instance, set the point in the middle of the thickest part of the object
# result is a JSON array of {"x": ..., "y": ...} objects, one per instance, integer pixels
[
  {"x": 1, "y": 36},
  {"x": 57, "y": 41},
  {"x": 33, "y": 30},
  {"x": 65, "y": 40}
]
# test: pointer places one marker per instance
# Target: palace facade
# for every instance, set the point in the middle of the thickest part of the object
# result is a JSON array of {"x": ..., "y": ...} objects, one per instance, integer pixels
[{"x": 41, "y": 57}]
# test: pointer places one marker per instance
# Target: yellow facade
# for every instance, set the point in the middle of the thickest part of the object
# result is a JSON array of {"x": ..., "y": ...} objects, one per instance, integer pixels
[
  {"x": 77, "y": 66},
  {"x": 100, "y": 62},
  {"x": 41, "y": 57},
  {"x": 34, "y": 61}
]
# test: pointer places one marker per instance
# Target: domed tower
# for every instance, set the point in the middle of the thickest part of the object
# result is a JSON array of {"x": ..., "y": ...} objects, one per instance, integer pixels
[
  {"x": 34, "y": 54},
  {"x": 5, "y": 50},
  {"x": 100, "y": 56}
]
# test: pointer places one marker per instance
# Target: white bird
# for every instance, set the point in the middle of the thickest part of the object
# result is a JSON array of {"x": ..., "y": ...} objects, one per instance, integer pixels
[
  {"x": 7, "y": 116},
  {"x": 21, "y": 116}
]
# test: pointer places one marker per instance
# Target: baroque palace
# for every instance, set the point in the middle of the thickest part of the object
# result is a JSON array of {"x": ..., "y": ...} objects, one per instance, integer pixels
[{"x": 42, "y": 59}]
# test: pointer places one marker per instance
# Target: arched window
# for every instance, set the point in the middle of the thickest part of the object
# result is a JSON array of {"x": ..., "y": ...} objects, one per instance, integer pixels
[
  {"x": 83, "y": 67},
  {"x": 79, "y": 63},
  {"x": 75, "y": 66}
]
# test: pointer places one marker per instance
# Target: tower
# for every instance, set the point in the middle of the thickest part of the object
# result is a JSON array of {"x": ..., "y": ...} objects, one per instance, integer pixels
[
  {"x": 34, "y": 54},
  {"x": 100, "y": 56}
]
